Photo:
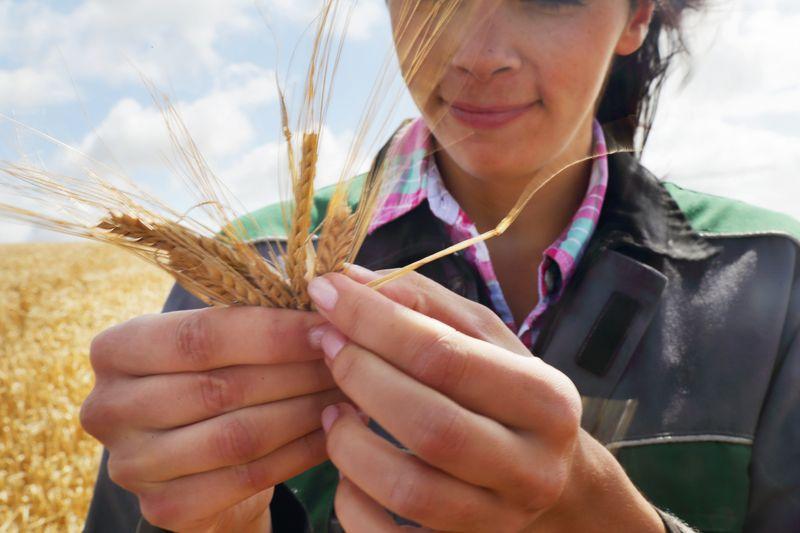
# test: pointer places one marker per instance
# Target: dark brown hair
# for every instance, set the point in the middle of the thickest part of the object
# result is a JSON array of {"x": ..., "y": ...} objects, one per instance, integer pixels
[{"x": 634, "y": 84}]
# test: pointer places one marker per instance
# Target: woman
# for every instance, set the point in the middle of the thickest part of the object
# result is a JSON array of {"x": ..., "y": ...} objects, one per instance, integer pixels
[{"x": 625, "y": 288}]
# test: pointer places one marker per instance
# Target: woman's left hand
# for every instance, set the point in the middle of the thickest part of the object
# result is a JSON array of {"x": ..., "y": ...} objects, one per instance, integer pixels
[{"x": 494, "y": 433}]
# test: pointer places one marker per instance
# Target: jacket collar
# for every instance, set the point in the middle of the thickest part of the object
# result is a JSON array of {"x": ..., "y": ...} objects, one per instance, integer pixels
[{"x": 639, "y": 212}]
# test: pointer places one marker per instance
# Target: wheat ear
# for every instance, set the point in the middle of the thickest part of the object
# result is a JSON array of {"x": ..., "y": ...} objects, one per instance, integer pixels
[
  {"x": 230, "y": 276},
  {"x": 135, "y": 230},
  {"x": 338, "y": 233},
  {"x": 296, "y": 246},
  {"x": 251, "y": 266},
  {"x": 217, "y": 277}
]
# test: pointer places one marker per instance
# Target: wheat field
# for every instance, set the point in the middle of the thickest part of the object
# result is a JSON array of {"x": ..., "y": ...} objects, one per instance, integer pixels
[{"x": 53, "y": 299}]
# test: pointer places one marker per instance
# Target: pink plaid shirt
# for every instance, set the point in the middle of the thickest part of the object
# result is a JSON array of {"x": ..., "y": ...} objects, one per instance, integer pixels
[{"x": 414, "y": 177}]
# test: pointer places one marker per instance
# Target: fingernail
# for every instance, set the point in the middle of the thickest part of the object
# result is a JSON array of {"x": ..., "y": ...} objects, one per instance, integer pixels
[
  {"x": 323, "y": 293},
  {"x": 332, "y": 343},
  {"x": 315, "y": 336},
  {"x": 329, "y": 416},
  {"x": 360, "y": 273},
  {"x": 341, "y": 477}
]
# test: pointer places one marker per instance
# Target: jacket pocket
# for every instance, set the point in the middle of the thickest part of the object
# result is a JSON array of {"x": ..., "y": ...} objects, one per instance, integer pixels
[{"x": 703, "y": 480}]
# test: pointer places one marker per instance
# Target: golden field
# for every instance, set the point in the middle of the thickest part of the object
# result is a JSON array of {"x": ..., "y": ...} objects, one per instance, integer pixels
[{"x": 53, "y": 299}]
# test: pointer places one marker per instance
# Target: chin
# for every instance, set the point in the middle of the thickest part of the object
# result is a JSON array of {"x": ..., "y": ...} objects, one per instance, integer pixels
[{"x": 493, "y": 162}]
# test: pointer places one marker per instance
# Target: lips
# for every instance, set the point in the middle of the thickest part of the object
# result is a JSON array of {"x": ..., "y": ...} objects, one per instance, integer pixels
[{"x": 488, "y": 117}]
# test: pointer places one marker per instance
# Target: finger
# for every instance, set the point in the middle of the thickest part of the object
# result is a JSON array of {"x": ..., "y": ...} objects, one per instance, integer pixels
[
  {"x": 482, "y": 377},
  {"x": 432, "y": 299},
  {"x": 179, "y": 502},
  {"x": 204, "y": 339},
  {"x": 167, "y": 401},
  {"x": 402, "y": 483},
  {"x": 232, "y": 439},
  {"x": 357, "y": 512},
  {"x": 466, "y": 445}
]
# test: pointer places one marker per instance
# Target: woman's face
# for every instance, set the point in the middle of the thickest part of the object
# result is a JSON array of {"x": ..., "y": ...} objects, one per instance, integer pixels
[{"x": 510, "y": 86}]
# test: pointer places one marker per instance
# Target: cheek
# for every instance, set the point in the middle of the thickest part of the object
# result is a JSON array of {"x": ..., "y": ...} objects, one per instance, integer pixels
[{"x": 571, "y": 69}]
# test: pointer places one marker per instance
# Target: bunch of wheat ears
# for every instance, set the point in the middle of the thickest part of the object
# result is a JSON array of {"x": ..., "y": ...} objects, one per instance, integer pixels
[{"x": 220, "y": 266}]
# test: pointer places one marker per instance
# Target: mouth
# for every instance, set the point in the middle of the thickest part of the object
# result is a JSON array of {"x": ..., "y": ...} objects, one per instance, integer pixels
[{"x": 487, "y": 117}]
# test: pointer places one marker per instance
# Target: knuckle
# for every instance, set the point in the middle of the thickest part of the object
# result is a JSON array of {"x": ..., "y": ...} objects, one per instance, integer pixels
[
  {"x": 272, "y": 324},
  {"x": 514, "y": 519},
  {"x": 254, "y": 477},
  {"x": 470, "y": 512},
  {"x": 347, "y": 367},
  {"x": 549, "y": 486},
  {"x": 160, "y": 510},
  {"x": 438, "y": 362},
  {"x": 100, "y": 349},
  {"x": 486, "y": 321},
  {"x": 194, "y": 340},
  {"x": 121, "y": 471},
  {"x": 88, "y": 414},
  {"x": 566, "y": 412},
  {"x": 335, "y": 442},
  {"x": 441, "y": 434},
  {"x": 529, "y": 478},
  {"x": 96, "y": 415},
  {"x": 416, "y": 293},
  {"x": 218, "y": 392},
  {"x": 236, "y": 442},
  {"x": 357, "y": 317},
  {"x": 409, "y": 497},
  {"x": 313, "y": 450}
]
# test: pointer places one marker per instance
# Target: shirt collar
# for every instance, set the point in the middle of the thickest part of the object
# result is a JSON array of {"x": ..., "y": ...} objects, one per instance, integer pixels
[{"x": 412, "y": 175}]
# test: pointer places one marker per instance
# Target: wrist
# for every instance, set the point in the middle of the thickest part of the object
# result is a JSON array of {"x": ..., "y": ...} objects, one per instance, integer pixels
[{"x": 599, "y": 496}]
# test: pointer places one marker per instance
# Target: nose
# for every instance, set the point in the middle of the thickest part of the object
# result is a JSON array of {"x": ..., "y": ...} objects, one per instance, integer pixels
[{"x": 487, "y": 49}]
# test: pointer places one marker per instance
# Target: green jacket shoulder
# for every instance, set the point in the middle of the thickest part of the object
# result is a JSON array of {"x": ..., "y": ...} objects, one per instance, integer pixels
[
  {"x": 707, "y": 213},
  {"x": 718, "y": 215}
]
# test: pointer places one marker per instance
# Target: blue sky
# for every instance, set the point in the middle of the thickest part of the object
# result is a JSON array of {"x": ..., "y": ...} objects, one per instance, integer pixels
[{"x": 70, "y": 68}]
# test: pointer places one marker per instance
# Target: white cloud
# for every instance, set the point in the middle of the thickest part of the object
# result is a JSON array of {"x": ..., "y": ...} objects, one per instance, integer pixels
[
  {"x": 97, "y": 38},
  {"x": 734, "y": 130},
  {"x": 108, "y": 40},
  {"x": 28, "y": 87},
  {"x": 134, "y": 136},
  {"x": 365, "y": 16}
]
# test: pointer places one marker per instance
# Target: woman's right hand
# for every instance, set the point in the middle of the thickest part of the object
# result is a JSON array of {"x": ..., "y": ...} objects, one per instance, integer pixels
[{"x": 204, "y": 412}]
